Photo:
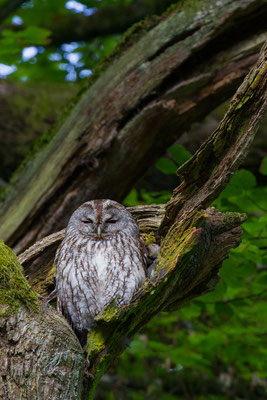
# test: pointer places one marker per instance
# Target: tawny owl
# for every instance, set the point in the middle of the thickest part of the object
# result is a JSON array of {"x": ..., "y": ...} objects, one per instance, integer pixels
[{"x": 99, "y": 260}]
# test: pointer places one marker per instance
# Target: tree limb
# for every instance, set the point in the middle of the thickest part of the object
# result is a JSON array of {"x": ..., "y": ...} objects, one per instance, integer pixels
[
  {"x": 224, "y": 149},
  {"x": 194, "y": 242}
]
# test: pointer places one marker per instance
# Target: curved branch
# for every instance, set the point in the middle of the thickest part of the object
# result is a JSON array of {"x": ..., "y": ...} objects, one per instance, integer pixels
[
  {"x": 223, "y": 150},
  {"x": 42, "y": 245}
]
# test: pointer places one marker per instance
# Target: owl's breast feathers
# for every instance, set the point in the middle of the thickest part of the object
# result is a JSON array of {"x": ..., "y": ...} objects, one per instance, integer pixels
[{"x": 93, "y": 273}]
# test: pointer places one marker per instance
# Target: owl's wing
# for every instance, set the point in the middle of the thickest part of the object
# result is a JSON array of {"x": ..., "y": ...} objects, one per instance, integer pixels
[
  {"x": 54, "y": 295},
  {"x": 150, "y": 254},
  {"x": 64, "y": 311},
  {"x": 59, "y": 305}
]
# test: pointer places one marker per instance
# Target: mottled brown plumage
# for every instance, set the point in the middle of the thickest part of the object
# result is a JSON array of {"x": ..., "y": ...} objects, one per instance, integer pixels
[{"x": 99, "y": 260}]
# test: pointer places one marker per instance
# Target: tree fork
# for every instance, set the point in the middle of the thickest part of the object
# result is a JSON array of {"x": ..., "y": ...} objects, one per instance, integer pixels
[{"x": 43, "y": 344}]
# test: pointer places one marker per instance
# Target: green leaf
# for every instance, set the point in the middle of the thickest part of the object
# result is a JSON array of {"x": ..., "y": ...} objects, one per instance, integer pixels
[
  {"x": 241, "y": 181},
  {"x": 263, "y": 166},
  {"x": 32, "y": 35},
  {"x": 35, "y": 35},
  {"x": 166, "y": 166},
  {"x": 131, "y": 199},
  {"x": 155, "y": 197},
  {"x": 224, "y": 311},
  {"x": 216, "y": 295},
  {"x": 262, "y": 279},
  {"x": 136, "y": 396},
  {"x": 192, "y": 310},
  {"x": 179, "y": 153}
]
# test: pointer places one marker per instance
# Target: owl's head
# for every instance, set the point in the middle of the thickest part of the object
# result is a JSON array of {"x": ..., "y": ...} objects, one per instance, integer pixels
[{"x": 101, "y": 219}]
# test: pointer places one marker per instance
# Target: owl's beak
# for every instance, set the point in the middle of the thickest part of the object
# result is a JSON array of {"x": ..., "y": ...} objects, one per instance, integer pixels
[{"x": 99, "y": 230}]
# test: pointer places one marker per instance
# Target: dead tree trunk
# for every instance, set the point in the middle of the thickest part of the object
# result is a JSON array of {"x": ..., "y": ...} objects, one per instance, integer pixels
[
  {"x": 166, "y": 74},
  {"x": 40, "y": 355}
]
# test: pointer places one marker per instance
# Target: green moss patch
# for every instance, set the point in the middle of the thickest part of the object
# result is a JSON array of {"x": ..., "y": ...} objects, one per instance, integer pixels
[
  {"x": 14, "y": 288},
  {"x": 96, "y": 342},
  {"x": 148, "y": 238}
]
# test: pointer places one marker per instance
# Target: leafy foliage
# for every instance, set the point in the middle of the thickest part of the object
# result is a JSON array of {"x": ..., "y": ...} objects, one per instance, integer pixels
[
  {"x": 176, "y": 156},
  {"x": 219, "y": 338},
  {"x": 26, "y": 47},
  {"x": 263, "y": 167}
]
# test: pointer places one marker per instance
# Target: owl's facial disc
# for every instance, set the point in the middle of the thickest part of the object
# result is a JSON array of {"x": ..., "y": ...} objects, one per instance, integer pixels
[
  {"x": 111, "y": 224},
  {"x": 101, "y": 219},
  {"x": 100, "y": 226},
  {"x": 88, "y": 224}
]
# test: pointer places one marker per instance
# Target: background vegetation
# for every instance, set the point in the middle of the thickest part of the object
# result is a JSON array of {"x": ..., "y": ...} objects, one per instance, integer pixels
[{"x": 216, "y": 346}]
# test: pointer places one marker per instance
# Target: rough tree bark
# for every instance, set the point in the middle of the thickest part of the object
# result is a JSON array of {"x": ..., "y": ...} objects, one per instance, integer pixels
[
  {"x": 40, "y": 356},
  {"x": 164, "y": 76},
  {"x": 30, "y": 109}
]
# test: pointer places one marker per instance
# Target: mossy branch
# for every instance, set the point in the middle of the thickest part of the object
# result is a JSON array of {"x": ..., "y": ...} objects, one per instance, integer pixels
[
  {"x": 29, "y": 335},
  {"x": 187, "y": 263},
  {"x": 208, "y": 171},
  {"x": 187, "y": 267},
  {"x": 15, "y": 291}
]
